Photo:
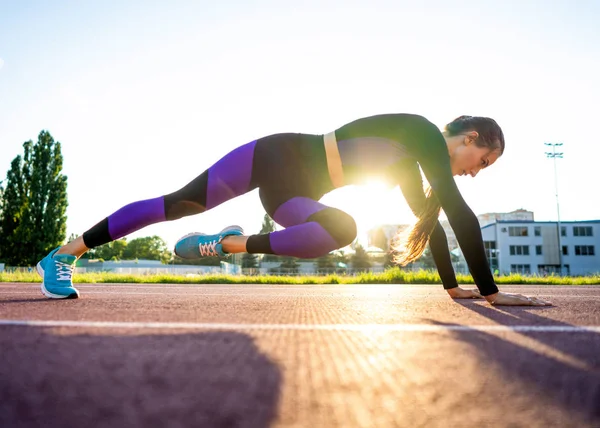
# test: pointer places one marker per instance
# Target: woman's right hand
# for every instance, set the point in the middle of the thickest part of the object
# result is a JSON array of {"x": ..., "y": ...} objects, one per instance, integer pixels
[{"x": 511, "y": 299}]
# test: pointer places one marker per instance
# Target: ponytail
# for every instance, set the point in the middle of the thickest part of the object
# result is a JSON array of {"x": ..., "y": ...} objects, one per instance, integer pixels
[{"x": 418, "y": 237}]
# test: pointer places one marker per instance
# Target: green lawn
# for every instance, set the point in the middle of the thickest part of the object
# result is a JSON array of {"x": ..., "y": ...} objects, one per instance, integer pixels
[{"x": 391, "y": 276}]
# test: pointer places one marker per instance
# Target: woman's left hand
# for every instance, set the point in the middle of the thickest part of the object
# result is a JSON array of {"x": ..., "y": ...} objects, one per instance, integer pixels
[{"x": 459, "y": 293}]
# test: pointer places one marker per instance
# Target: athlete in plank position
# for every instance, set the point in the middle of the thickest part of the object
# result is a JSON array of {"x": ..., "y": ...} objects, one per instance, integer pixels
[{"x": 293, "y": 171}]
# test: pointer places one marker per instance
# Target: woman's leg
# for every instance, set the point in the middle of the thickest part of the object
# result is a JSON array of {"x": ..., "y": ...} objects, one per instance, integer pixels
[
  {"x": 312, "y": 230},
  {"x": 226, "y": 179},
  {"x": 291, "y": 172}
]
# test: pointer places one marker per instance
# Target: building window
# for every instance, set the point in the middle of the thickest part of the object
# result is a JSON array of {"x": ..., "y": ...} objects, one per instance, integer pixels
[
  {"x": 525, "y": 269},
  {"x": 563, "y": 231},
  {"x": 582, "y": 231},
  {"x": 538, "y": 250},
  {"x": 518, "y": 231},
  {"x": 584, "y": 250},
  {"x": 548, "y": 269},
  {"x": 565, "y": 249},
  {"x": 519, "y": 250},
  {"x": 537, "y": 231},
  {"x": 492, "y": 253}
]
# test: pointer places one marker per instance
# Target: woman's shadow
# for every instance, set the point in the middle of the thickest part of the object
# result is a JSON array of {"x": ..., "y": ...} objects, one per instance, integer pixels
[
  {"x": 206, "y": 379},
  {"x": 572, "y": 381}
]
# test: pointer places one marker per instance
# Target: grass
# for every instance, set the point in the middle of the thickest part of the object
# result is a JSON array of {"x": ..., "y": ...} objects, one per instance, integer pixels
[{"x": 390, "y": 276}]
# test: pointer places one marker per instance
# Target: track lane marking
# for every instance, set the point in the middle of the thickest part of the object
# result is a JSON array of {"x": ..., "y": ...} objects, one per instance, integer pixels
[{"x": 307, "y": 327}]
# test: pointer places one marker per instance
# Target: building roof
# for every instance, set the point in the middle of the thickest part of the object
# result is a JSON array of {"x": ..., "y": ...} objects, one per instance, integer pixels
[{"x": 540, "y": 222}]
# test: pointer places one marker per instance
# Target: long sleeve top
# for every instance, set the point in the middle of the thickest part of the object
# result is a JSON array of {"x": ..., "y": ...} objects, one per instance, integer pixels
[{"x": 395, "y": 148}]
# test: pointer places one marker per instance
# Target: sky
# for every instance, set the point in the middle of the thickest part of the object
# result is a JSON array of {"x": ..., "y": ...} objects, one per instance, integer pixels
[{"x": 145, "y": 95}]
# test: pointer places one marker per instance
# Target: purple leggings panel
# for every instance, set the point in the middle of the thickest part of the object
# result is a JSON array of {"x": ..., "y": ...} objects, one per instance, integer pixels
[
  {"x": 300, "y": 239},
  {"x": 230, "y": 176},
  {"x": 134, "y": 216},
  {"x": 296, "y": 211},
  {"x": 305, "y": 240}
]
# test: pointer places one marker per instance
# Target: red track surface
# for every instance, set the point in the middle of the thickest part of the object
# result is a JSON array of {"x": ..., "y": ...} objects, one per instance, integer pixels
[{"x": 296, "y": 356}]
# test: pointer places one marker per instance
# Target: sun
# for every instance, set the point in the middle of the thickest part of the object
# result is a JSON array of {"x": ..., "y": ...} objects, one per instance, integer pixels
[{"x": 371, "y": 204}]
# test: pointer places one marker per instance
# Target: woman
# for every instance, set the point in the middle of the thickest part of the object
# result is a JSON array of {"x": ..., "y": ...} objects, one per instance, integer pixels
[{"x": 293, "y": 171}]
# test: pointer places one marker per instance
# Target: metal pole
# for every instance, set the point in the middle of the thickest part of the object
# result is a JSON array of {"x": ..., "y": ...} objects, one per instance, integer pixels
[{"x": 555, "y": 155}]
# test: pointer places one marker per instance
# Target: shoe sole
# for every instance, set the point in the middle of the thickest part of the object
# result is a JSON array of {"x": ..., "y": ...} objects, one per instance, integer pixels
[
  {"x": 227, "y": 229},
  {"x": 48, "y": 294}
]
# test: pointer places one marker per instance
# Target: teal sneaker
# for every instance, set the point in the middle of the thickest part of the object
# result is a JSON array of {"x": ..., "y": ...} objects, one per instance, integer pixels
[
  {"x": 57, "y": 273},
  {"x": 196, "y": 245}
]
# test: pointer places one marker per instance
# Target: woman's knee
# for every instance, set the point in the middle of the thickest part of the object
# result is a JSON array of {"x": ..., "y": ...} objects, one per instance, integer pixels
[{"x": 339, "y": 224}]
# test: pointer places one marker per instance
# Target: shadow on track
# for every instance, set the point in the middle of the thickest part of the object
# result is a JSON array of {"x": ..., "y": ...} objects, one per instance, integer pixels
[
  {"x": 203, "y": 379},
  {"x": 573, "y": 383}
]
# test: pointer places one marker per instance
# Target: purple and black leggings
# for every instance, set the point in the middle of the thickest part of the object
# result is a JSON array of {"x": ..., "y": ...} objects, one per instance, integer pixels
[{"x": 290, "y": 171}]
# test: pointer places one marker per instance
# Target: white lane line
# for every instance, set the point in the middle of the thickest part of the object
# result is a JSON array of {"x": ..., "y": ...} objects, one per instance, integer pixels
[
  {"x": 310, "y": 287},
  {"x": 361, "y": 294},
  {"x": 326, "y": 327}
]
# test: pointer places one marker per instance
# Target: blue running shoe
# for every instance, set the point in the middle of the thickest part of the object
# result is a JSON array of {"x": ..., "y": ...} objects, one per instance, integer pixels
[
  {"x": 196, "y": 245},
  {"x": 57, "y": 273}
]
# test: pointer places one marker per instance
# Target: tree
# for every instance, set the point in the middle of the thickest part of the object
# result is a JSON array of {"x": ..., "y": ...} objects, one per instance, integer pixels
[
  {"x": 360, "y": 259},
  {"x": 48, "y": 196},
  {"x": 388, "y": 260},
  {"x": 1, "y": 199},
  {"x": 249, "y": 260},
  {"x": 34, "y": 202},
  {"x": 289, "y": 264},
  {"x": 13, "y": 204},
  {"x": 149, "y": 248},
  {"x": 426, "y": 260},
  {"x": 326, "y": 264},
  {"x": 340, "y": 257},
  {"x": 112, "y": 251},
  {"x": 268, "y": 225}
]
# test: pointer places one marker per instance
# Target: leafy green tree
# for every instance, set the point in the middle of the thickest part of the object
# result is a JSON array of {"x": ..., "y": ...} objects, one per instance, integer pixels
[
  {"x": 326, "y": 264},
  {"x": 112, "y": 251},
  {"x": 149, "y": 248},
  {"x": 426, "y": 260},
  {"x": 268, "y": 225},
  {"x": 360, "y": 258},
  {"x": 13, "y": 204},
  {"x": 34, "y": 202},
  {"x": 388, "y": 260},
  {"x": 1, "y": 201},
  {"x": 340, "y": 257},
  {"x": 249, "y": 260},
  {"x": 288, "y": 265},
  {"x": 48, "y": 196}
]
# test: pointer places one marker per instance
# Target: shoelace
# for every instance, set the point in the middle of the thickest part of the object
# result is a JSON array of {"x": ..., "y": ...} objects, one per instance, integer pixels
[
  {"x": 64, "y": 271},
  {"x": 208, "y": 249}
]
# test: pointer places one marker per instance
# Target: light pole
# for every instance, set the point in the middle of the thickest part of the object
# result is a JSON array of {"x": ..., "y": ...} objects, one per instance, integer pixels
[{"x": 555, "y": 155}]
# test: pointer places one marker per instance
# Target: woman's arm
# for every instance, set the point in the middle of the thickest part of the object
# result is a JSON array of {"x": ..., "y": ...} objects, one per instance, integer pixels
[
  {"x": 409, "y": 178},
  {"x": 435, "y": 161},
  {"x": 432, "y": 155}
]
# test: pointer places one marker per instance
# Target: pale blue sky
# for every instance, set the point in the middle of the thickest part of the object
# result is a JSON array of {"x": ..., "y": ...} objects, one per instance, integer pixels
[{"x": 144, "y": 96}]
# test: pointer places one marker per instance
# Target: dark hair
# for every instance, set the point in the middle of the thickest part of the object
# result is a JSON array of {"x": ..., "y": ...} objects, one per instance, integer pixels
[{"x": 490, "y": 135}]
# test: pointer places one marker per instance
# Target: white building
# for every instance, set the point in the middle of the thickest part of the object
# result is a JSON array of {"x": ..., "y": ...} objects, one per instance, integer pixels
[
  {"x": 484, "y": 220},
  {"x": 531, "y": 247},
  {"x": 516, "y": 243},
  {"x": 518, "y": 215}
]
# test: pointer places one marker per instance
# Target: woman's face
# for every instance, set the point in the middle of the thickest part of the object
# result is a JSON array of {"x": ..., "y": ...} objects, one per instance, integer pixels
[{"x": 468, "y": 159}]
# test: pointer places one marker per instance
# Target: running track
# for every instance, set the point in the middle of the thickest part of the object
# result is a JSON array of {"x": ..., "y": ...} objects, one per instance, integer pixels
[{"x": 297, "y": 356}]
